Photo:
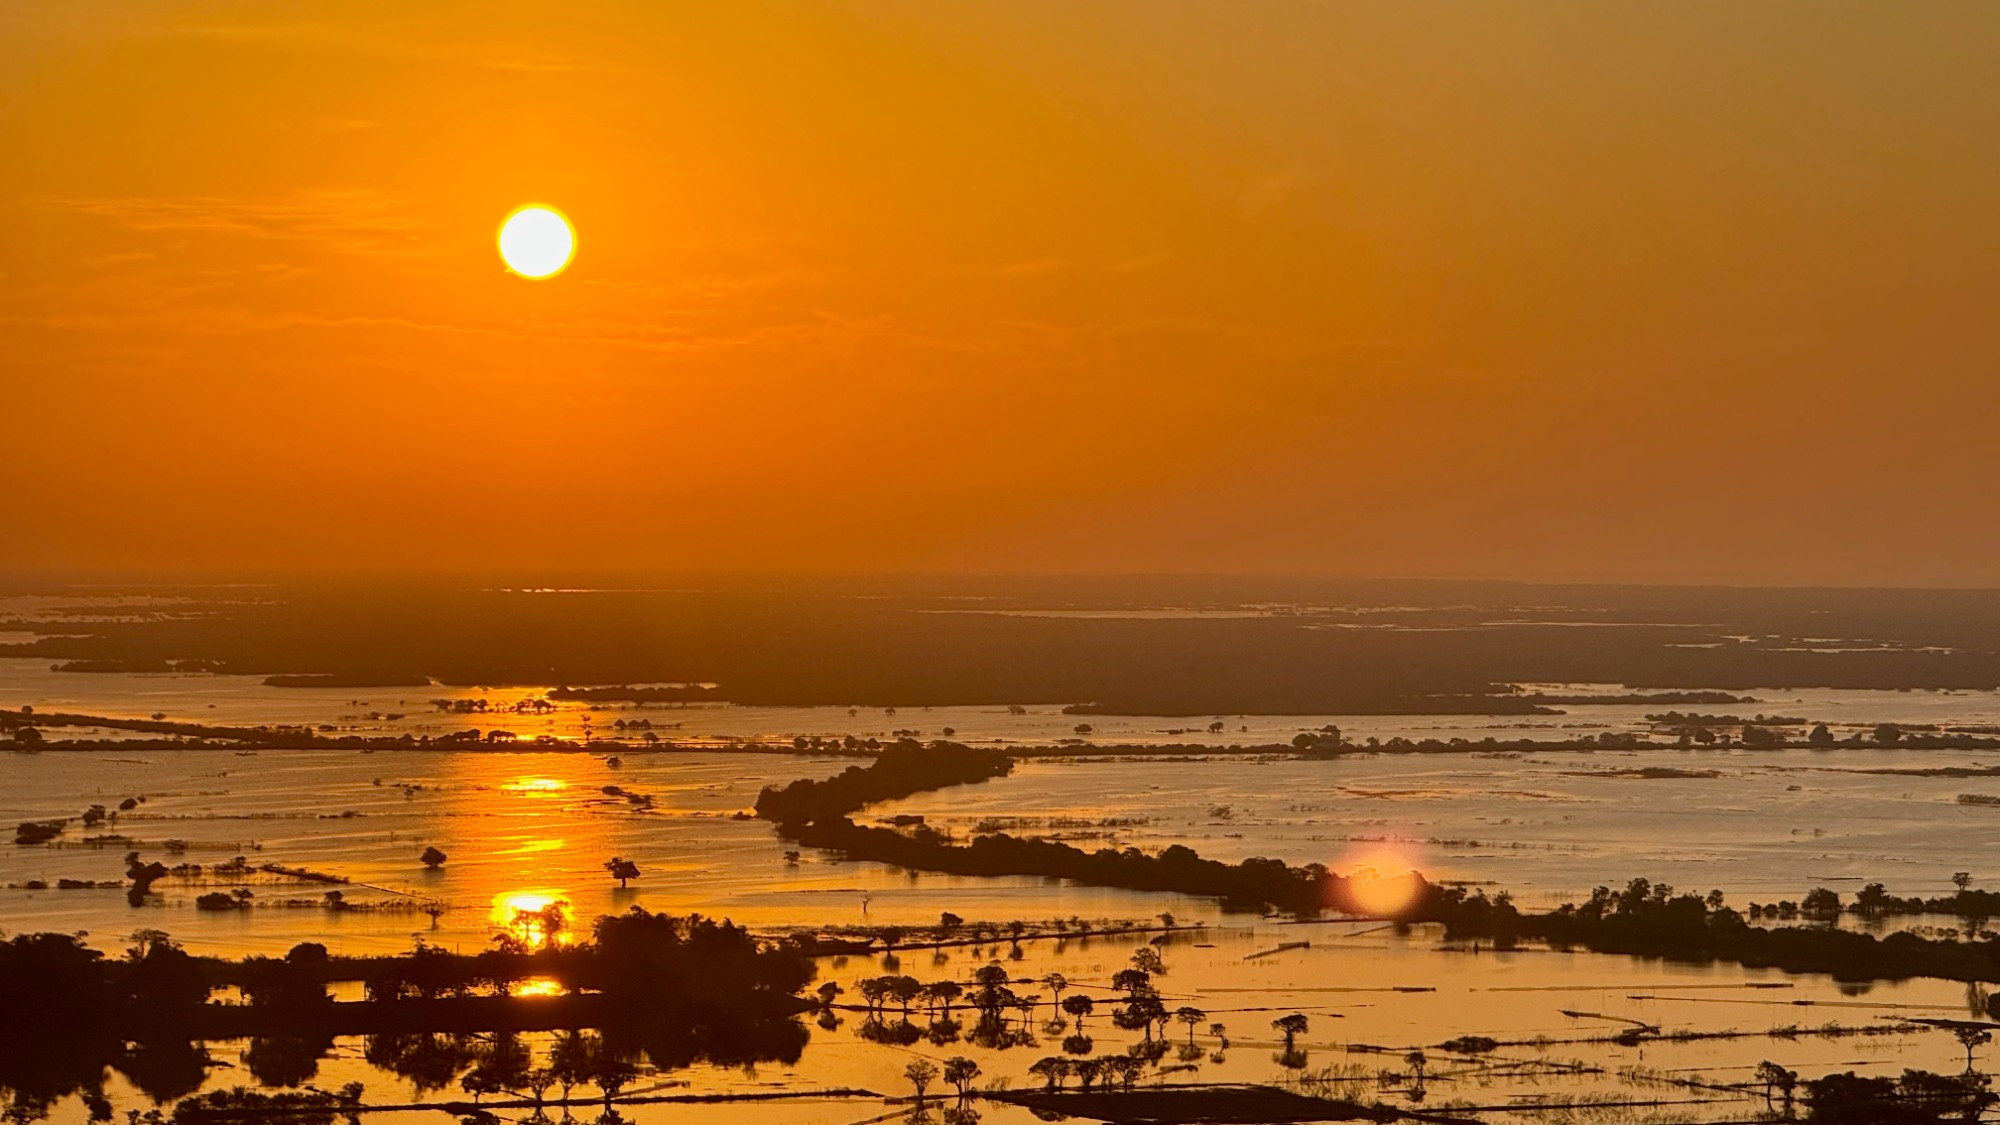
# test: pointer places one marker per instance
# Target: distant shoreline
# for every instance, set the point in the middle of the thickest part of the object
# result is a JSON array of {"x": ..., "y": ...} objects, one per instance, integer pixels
[{"x": 23, "y": 732}]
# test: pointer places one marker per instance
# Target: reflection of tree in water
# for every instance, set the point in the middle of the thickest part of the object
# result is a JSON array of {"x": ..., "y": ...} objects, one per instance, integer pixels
[
  {"x": 36, "y": 1070},
  {"x": 503, "y": 1065},
  {"x": 992, "y": 1033},
  {"x": 717, "y": 1041},
  {"x": 435, "y": 1060},
  {"x": 232, "y": 1107},
  {"x": 282, "y": 1060},
  {"x": 902, "y": 1033},
  {"x": 430, "y": 1060},
  {"x": 165, "y": 1069}
]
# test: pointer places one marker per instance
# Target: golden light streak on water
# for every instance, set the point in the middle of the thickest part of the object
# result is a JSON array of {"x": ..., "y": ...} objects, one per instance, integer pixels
[{"x": 537, "y": 918}]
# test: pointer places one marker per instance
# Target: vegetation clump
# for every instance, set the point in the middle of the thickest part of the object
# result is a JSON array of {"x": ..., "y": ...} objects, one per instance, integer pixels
[
  {"x": 674, "y": 990},
  {"x": 1652, "y": 920},
  {"x": 287, "y": 1107},
  {"x": 903, "y": 769},
  {"x": 816, "y": 813},
  {"x": 1919, "y": 1097},
  {"x": 31, "y": 832}
]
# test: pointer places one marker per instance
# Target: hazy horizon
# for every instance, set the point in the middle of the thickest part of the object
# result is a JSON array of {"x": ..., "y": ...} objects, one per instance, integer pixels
[{"x": 33, "y": 580}]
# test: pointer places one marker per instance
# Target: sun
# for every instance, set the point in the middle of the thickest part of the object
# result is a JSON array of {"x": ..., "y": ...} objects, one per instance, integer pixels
[{"x": 537, "y": 241}]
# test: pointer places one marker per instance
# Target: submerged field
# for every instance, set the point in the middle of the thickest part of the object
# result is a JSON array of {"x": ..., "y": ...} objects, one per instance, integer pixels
[
  {"x": 266, "y": 848},
  {"x": 522, "y": 829}
]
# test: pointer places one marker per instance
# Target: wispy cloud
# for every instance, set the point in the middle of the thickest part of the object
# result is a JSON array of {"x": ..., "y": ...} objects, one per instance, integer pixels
[{"x": 353, "y": 221}]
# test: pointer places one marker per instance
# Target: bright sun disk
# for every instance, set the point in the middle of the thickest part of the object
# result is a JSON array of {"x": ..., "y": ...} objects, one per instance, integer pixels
[{"x": 537, "y": 242}]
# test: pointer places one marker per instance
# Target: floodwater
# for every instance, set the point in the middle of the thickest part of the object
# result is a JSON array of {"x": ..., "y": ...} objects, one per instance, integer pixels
[
  {"x": 393, "y": 712},
  {"x": 522, "y": 828},
  {"x": 1370, "y": 997}
]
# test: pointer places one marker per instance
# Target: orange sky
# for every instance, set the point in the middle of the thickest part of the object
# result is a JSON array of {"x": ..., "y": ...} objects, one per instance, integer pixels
[{"x": 1687, "y": 292}]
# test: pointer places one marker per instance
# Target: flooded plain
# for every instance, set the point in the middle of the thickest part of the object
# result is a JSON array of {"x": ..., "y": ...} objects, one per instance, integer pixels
[
  {"x": 523, "y": 828},
  {"x": 1370, "y": 997}
]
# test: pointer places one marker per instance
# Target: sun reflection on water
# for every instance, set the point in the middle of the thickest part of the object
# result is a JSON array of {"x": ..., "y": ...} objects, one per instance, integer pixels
[
  {"x": 536, "y": 919},
  {"x": 535, "y": 785}
]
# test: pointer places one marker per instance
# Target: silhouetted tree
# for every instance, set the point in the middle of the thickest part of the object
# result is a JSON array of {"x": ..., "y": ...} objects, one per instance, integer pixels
[
  {"x": 1051, "y": 1070},
  {"x": 1055, "y": 983},
  {"x": 1776, "y": 1078},
  {"x": 1971, "y": 1038},
  {"x": 1291, "y": 1027},
  {"x": 621, "y": 869},
  {"x": 905, "y": 990},
  {"x": 572, "y": 1059},
  {"x": 1078, "y": 1006},
  {"x": 1820, "y": 903},
  {"x": 960, "y": 1072},
  {"x": 611, "y": 1075},
  {"x": 538, "y": 1080},
  {"x": 433, "y": 857}
]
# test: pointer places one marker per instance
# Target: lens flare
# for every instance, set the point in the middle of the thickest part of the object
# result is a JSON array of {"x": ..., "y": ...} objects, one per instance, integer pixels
[{"x": 1382, "y": 882}]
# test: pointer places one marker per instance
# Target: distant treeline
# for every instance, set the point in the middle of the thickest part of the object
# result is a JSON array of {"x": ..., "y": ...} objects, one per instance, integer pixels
[
  {"x": 24, "y": 729},
  {"x": 1691, "y": 719},
  {"x": 1645, "y": 919},
  {"x": 901, "y": 770},
  {"x": 347, "y": 680},
  {"x": 1632, "y": 698},
  {"x": 1652, "y": 920},
  {"x": 1254, "y": 884},
  {"x": 28, "y": 717},
  {"x": 675, "y": 693},
  {"x": 817, "y": 814}
]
